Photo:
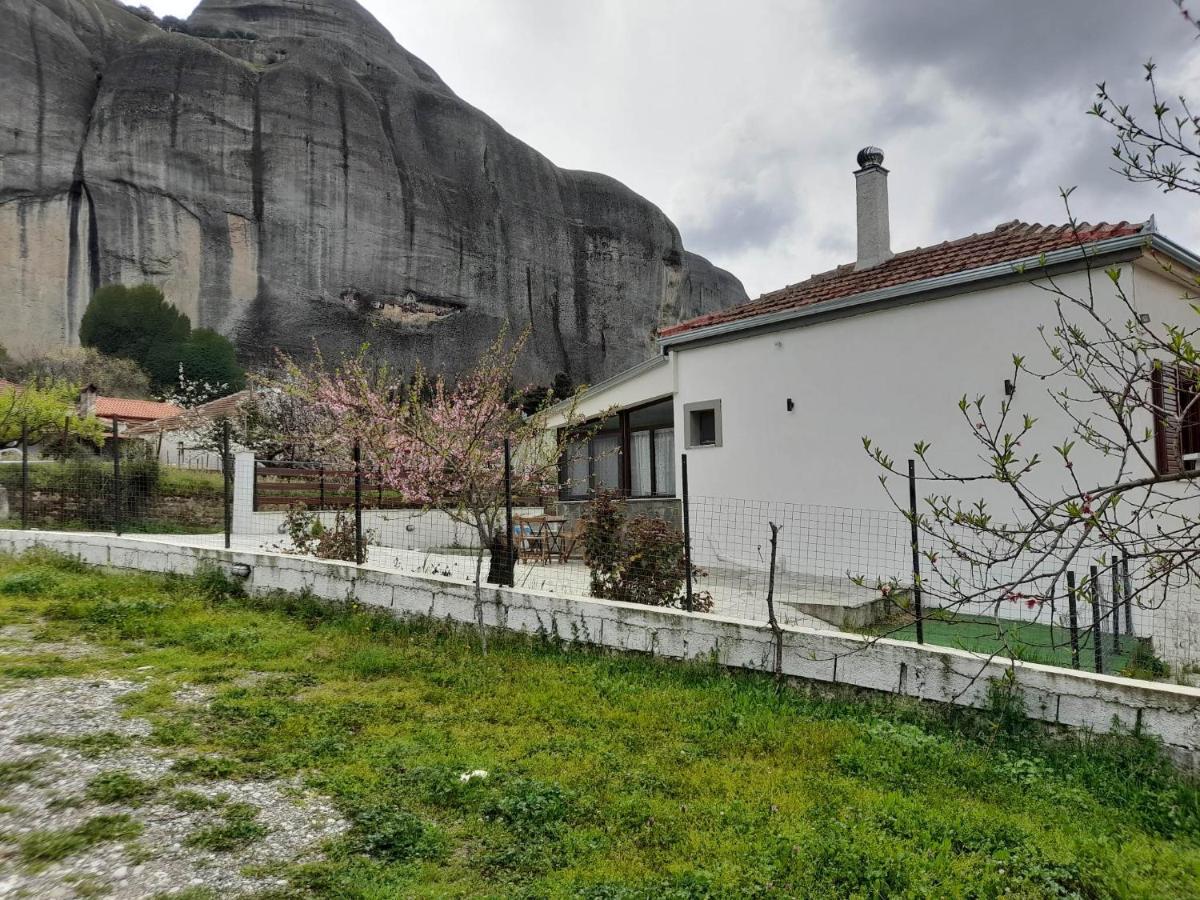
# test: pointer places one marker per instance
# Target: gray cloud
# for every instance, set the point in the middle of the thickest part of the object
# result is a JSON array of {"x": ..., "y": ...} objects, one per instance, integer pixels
[{"x": 742, "y": 120}]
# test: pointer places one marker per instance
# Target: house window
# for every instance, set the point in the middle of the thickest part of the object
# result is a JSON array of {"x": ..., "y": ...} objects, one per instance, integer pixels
[
  {"x": 593, "y": 463},
  {"x": 632, "y": 453},
  {"x": 1175, "y": 393},
  {"x": 703, "y": 423},
  {"x": 652, "y": 450}
]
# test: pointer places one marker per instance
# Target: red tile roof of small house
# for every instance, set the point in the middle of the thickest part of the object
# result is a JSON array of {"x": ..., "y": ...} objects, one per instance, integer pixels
[
  {"x": 1010, "y": 242},
  {"x": 214, "y": 410},
  {"x": 133, "y": 410}
]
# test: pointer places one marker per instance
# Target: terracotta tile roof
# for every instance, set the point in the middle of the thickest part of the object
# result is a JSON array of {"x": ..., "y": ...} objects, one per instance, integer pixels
[
  {"x": 1009, "y": 242},
  {"x": 222, "y": 407},
  {"x": 120, "y": 408}
]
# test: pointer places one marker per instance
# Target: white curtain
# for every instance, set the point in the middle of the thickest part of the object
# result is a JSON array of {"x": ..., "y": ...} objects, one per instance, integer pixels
[
  {"x": 639, "y": 464},
  {"x": 664, "y": 461},
  {"x": 606, "y": 461},
  {"x": 577, "y": 469}
]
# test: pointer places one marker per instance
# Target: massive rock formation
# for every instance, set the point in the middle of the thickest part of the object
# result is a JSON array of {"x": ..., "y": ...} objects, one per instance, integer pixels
[{"x": 287, "y": 172}]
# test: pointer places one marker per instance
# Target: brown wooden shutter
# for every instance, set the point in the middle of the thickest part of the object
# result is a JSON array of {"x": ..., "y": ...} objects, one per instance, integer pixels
[{"x": 1164, "y": 394}]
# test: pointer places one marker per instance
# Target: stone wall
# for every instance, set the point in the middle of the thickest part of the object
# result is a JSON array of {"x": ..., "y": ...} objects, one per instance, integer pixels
[{"x": 1072, "y": 699}]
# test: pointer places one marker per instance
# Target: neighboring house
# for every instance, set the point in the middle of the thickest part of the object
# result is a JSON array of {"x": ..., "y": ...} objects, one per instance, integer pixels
[
  {"x": 183, "y": 438},
  {"x": 125, "y": 412},
  {"x": 771, "y": 399}
]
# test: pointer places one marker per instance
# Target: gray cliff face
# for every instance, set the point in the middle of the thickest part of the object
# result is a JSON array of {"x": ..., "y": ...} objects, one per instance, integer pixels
[{"x": 288, "y": 173}]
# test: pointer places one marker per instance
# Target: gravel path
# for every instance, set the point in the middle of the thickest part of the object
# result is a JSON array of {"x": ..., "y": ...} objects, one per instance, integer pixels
[{"x": 59, "y": 735}]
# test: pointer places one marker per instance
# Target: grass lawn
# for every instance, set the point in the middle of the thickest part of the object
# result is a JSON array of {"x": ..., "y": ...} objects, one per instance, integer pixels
[
  {"x": 1028, "y": 641},
  {"x": 607, "y": 776}
]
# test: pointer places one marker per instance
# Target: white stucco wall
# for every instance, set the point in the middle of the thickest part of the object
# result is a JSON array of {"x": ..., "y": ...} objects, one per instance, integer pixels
[
  {"x": 1072, "y": 699},
  {"x": 894, "y": 375}
]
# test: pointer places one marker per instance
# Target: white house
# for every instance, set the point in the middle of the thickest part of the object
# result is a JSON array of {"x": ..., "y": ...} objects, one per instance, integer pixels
[{"x": 770, "y": 400}]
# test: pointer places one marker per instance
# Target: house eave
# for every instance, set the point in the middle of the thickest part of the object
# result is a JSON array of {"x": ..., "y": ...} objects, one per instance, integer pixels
[
  {"x": 612, "y": 381},
  {"x": 1111, "y": 250}
]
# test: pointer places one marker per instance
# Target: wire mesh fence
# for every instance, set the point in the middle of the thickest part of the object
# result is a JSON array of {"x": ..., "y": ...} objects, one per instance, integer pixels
[
  {"x": 803, "y": 565},
  {"x": 121, "y": 487}
]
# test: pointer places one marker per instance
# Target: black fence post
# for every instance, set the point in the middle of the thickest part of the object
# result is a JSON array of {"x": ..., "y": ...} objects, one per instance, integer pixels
[
  {"x": 24, "y": 473},
  {"x": 1127, "y": 593},
  {"x": 358, "y": 532},
  {"x": 62, "y": 490},
  {"x": 510, "y": 556},
  {"x": 1073, "y": 620},
  {"x": 687, "y": 533},
  {"x": 916, "y": 550},
  {"x": 116, "y": 451},
  {"x": 1116, "y": 606},
  {"x": 227, "y": 482},
  {"x": 1097, "y": 624}
]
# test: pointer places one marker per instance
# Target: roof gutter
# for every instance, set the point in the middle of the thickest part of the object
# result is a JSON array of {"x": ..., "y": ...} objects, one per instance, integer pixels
[{"x": 912, "y": 290}]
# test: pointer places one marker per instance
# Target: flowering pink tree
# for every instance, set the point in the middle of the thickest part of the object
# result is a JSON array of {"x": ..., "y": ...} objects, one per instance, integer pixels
[{"x": 440, "y": 444}]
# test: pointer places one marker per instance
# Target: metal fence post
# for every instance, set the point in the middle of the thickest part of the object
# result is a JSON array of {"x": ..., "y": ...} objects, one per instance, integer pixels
[
  {"x": 227, "y": 482},
  {"x": 24, "y": 473},
  {"x": 1127, "y": 593},
  {"x": 62, "y": 493},
  {"x": 116, "y": 442},
  {"x": 1073, "y": 620},
  {"x": 916, "y": 550},
  {"x": 511, "y": 562},
  {"x": 358, "y": 532},
  {"x": 1116, "y": 606},
  {"x": 687, "y": 533},
  {"x": 1097, "y": 625}
]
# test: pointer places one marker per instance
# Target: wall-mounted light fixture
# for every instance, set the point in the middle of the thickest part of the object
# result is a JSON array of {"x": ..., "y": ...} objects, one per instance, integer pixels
[
  {"x": 239, "y": 570},
  {"x": 1009, "y": 387},
  {"x": 1144, "y": 318},
  {"x": 791, "y": 404}
]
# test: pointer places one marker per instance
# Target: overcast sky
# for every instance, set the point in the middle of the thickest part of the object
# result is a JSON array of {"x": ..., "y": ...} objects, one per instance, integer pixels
[{"x": 742, "y": 120}]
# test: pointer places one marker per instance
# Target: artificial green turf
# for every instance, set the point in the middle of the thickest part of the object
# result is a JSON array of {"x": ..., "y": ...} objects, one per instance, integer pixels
[
  {"x": 1028, "y": 641},
  {"x": 607, "y": 776}
]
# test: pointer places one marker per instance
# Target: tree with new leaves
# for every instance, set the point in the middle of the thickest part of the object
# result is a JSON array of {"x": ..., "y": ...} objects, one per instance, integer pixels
[
  {"x": 1126, "y": 388},
  {"x": 42, "y": 409}
]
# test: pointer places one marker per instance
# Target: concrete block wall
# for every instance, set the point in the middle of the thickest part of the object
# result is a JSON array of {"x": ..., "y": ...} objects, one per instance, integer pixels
[{"x": 1064, "y": 697}]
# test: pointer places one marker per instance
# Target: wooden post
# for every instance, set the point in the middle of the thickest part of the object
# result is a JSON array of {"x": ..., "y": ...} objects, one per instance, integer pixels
[
  {"x": 1097, "y": 624},
  {"x": 1116, "y": 606}
]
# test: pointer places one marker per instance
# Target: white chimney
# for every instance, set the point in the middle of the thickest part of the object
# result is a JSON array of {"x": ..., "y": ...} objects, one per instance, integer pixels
[{"x": 874, "y": 238}]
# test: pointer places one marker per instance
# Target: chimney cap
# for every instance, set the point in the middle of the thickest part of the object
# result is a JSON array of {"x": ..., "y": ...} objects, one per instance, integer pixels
[{"x": 870, "y": 156}]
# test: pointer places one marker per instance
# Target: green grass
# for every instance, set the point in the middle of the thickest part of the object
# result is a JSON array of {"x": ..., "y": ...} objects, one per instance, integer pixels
[
  {"x": 237, "y": 829},
  {"x": 119, "y": 787},
  {"x": 48, "y": 475},
  {"x": 1028, "y": 641},
  {"x": 609, "y": 776}
]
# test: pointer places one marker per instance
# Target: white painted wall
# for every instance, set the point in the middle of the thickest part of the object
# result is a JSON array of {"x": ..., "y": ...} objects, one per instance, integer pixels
[{"x": 894, "y": 375}]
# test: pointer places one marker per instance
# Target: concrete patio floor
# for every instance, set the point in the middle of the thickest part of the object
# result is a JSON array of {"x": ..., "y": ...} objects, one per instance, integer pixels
[{"x": 736, "y": 592}]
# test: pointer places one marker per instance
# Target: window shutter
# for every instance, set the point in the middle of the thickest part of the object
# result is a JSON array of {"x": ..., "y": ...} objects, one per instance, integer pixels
[{"x": 1164, "y": 393}]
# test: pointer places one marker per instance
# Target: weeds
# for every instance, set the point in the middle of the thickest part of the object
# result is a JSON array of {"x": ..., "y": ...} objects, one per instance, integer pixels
[
  {"x": 39, "y": 848},
  {"x": 611, "y": 776}
]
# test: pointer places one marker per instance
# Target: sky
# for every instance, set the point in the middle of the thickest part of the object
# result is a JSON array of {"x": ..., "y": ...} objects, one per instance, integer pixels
[{"x": 742, "y": 120}]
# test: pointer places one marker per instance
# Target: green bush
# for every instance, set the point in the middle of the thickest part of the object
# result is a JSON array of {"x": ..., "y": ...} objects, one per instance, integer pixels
[
  {"x": 639, "y": 560},
  {"x": 130, "y": 321}
]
